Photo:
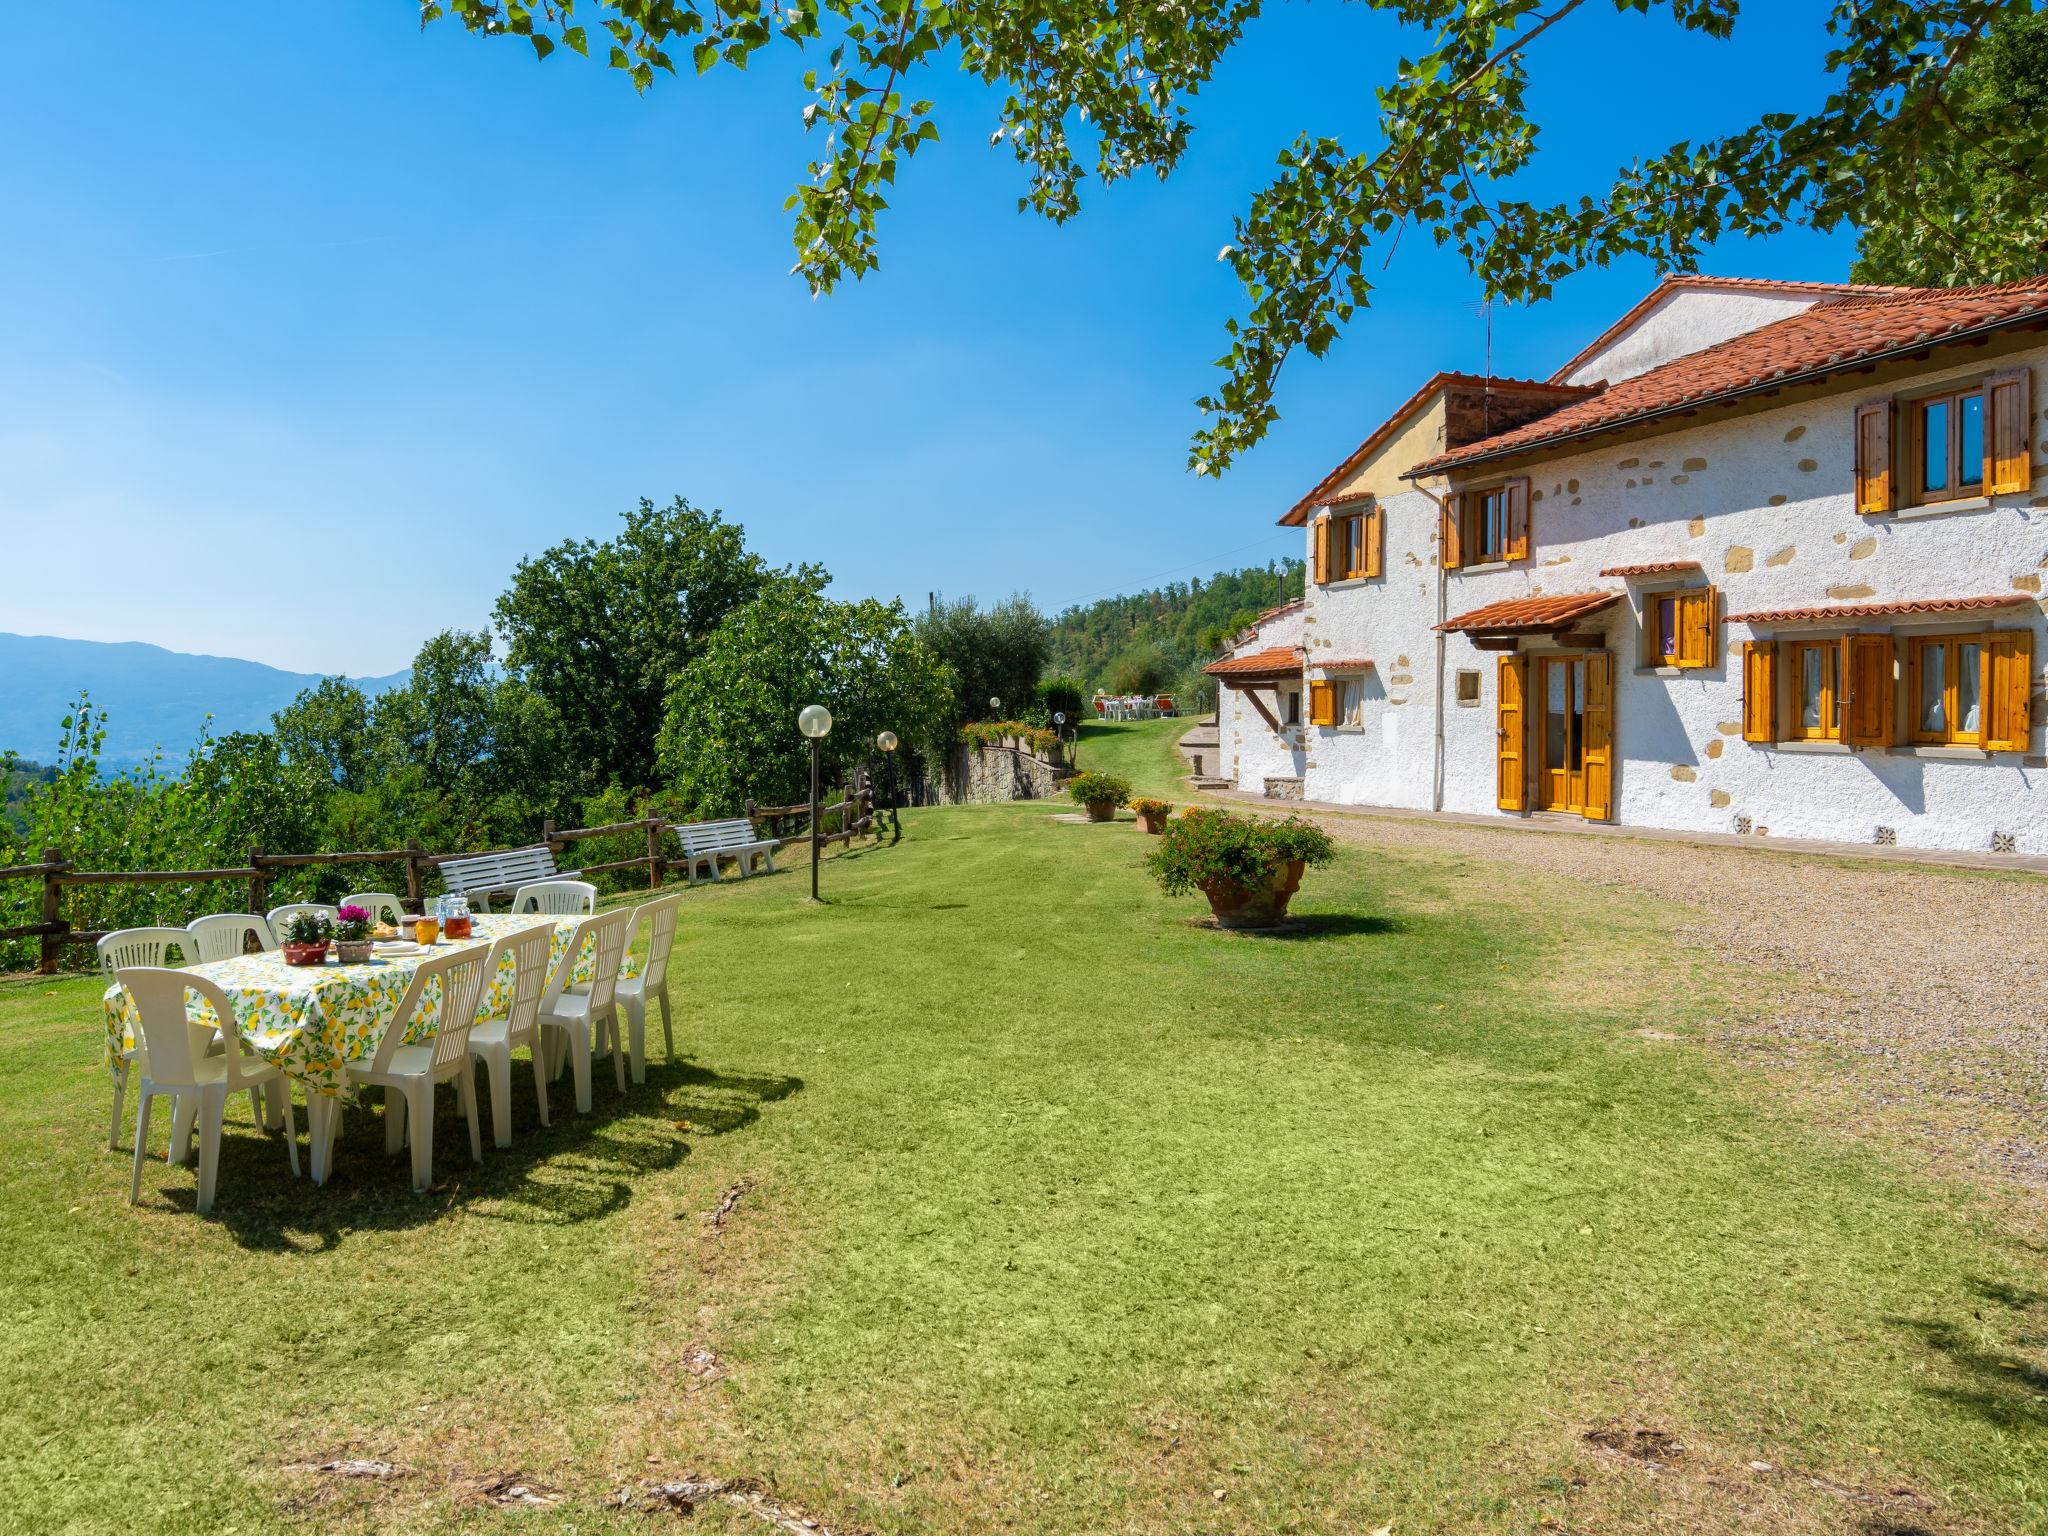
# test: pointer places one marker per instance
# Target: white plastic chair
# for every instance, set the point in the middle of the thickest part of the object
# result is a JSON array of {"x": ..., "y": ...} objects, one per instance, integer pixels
[
  {"x": 633, "y": 991},
  {"x": 174, "y": 1062},
  {"x": 226, "y": 935},
  {"x": 408, "y": 1073},
  {"x": 133, "y": 946},
  {"x": 377, "y": 904},
  {"x": 581, "y": 1019},
  {"x": 279, "y": 916},
  {"x": 494, "y": 1041},
  {"x": 558, "y": 898}
]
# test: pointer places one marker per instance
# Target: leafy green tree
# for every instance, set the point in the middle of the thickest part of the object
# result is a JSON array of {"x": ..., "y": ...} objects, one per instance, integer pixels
[
  {"x": 1106, "y": 87},
  {"x": 328, "y": 727},
  {"x": 599, "y": 629},
  {"x": 1144, "y": 668},
  {"x": 1975, "y": 212},
  {"x": 730, "y": 734},
  {"x": 996, "y": 652},
  {"x": 1187, "y": 621}
]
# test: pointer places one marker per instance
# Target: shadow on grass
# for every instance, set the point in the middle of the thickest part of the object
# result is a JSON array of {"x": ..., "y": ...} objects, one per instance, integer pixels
[
  {"x": 1997, "y": 1388},
  {"x": 1314, "y": 925},
  {"x": 579, "y": 1168}
]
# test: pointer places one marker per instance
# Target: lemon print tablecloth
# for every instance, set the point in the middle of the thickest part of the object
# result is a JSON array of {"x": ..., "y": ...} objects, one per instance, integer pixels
[{"x": 312, "y": 1020}]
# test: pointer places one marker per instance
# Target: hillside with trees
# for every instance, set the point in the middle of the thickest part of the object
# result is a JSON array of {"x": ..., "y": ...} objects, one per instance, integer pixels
[{"x": 1145, "y": 642}]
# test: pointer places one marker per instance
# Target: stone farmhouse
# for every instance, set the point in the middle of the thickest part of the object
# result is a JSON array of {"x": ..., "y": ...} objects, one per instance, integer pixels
[{"x": 1763, "y": 558}]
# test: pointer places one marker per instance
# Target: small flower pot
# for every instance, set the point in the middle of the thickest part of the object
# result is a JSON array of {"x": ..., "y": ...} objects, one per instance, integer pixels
[
  {"x": 305, "y": 954},
  {"x": 1260, "y": 906},
  {"x": 1153, "y": 822},
  {"x": 1101, "y": 810},
  {"x": 353, "y": 951}
]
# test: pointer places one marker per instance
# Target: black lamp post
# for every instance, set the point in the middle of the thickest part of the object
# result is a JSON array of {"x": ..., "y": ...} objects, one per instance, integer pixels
[
  {"x": 815, "y": 721},
  {"x": 887, "y": 742},
  {"x": 1059, "y": 727}
]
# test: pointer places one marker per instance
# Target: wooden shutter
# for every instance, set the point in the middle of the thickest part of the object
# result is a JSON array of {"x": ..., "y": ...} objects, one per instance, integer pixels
[
  {"x": 1513, "y": 786},
  {"x": 1454, "y": 530},
  {"x": 1375, "y": 538},
  {"x": 1597, "y": 728},
  {"x": 1322, "y": 548},
  {"x": 2008, "y": 698},
  {"x": 2008, "y": 446},
  {"x": 1760, "y": 691},
  {"x": 1874, "y": 457},
  {"x": 1699, "y": 622},
  {"x": 1517, "y": 494},
  {"x": 1867, "y": 675},
  {"x": 1322, "y": 703}
]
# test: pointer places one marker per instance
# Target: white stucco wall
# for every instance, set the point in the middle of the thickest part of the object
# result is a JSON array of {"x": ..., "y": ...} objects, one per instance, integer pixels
[
  {"x": 1765, "y": 503},
  {"x": 1250, "y": 751},
  {"x": 1685, "y": 320}
]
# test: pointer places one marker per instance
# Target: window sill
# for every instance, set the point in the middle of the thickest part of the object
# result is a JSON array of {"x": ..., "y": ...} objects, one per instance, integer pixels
[
  {"x": 1821, "y": 748},
  {"x": 1485, "y": 567},
  {"x": 1942, "y": 754},
  {"x": 1343, "y": 582},
  {"x": 1942, "y": 508},
  {"x": 1662, "y": 671}
]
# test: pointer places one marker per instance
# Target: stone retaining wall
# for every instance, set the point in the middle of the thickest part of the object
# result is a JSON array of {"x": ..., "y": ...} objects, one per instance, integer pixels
[{"x": 977, "y": 775}]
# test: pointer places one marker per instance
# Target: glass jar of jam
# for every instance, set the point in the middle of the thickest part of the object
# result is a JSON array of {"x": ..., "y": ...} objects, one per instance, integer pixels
[{"x": 426, "y": 931}]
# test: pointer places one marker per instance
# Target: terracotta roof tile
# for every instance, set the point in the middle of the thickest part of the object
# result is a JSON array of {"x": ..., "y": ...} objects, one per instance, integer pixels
[
  {"x": 1524, "y": 615},
  {"x": 1342, "y": 663},
  {"x": 1653, "y": 568},
  {"x": 1832, "y": 337},
  {"x": 1274, "y": 661},
  {"x": 1878, "y": 610}
]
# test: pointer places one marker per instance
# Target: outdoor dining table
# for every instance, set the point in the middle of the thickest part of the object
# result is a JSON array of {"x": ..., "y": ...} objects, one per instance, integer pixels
[{"x": 311, "y": 1020}]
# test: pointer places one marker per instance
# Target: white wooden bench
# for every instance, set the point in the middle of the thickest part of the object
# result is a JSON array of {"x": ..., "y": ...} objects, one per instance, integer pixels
[
  {"x": 484, "y": 875},
  {"x": 706, "y": 842}
]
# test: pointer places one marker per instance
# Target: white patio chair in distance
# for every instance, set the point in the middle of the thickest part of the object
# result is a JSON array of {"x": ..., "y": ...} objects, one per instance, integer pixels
[
  {"x": 408, "y": 1073},
  {"x": 226, "y": 934},
  {"x": 578, "y": 1019},
  {"x": 633, "y": 991},
  {"x": 382, "y": 906},
  {"x": 493, "y": 1041},
  {"x": 133, "y": 946},
  {"x": 558, "y": 898},
  {"x": 277, "y": 917},
  {"x": 174, "y": 1063}
]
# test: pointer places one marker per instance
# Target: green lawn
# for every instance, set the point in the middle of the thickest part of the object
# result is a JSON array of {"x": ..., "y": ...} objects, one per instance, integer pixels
[{"x": 1067, "y": 1215}]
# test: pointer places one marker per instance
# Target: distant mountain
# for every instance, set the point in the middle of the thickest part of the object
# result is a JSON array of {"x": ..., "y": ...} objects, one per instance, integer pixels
[{"x": 153, "y": 697}]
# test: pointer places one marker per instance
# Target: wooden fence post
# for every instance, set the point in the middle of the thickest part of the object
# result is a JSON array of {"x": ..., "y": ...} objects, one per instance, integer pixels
[
  {"x": 53, "y": 912},
  {"x": 654, "y": 826},
  {"x": 259, "y": 888},
  {"x": 547, "y": 836},
  {"x": 412, "y": 874}
]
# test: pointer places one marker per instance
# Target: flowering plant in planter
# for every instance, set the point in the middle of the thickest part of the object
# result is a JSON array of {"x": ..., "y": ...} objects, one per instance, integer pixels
[
  {"x": 352, "y": 925},
  {"x": 1248, "y": 867},
  {"x": 1152, "y": 814},
  {"x": 304, "y": 938},
  {"x": 1100, "y": 793}
]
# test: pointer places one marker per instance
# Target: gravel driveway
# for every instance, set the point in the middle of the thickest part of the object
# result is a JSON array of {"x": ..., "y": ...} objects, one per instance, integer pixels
[{"x": 1905, "y": 988}]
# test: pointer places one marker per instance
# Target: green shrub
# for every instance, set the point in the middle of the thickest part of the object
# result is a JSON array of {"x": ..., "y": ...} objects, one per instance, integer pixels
[
  {"x": 1205, "y": 846},
  {"x": 1060, "y": 696},
  {"x": 1094, "y": 788}
]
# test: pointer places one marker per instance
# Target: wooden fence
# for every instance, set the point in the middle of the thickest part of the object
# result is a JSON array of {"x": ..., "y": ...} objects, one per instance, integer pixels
[{"x": 854, "y": 813}]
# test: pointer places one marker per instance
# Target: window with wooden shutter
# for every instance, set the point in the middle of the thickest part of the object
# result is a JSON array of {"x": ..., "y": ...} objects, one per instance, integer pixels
[
  {"x": 1699, "y": 626},
  {"x": 1868, "y": 675},
  {"x": 1322, "y": 548},
  {"x": 1322, "y": 703},
  {"x": 1874, "y": 457},
  {"x": 1515, "y": 545},
  {"x": 1597, "y": 737},
  {"x": 1813, "y": 684},
  {"x": 1512, "y": 790},
  {"x": 2008, "y": 445},
  {"x": 1375, "y": 539},
  {"x": 1760, "y": 691},
  {"x": 2008, "y": 721},
  {"x": 1451, "y": 535}
]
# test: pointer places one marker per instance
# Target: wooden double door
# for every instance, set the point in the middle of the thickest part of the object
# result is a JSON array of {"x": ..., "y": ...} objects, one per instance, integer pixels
[{"x": 1556, "y": 733}]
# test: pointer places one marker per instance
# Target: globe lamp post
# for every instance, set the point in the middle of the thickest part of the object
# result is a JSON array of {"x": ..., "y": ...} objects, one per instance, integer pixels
[
  {"x": 887, "y": 742},
  {"x": 815, "y": 721}
]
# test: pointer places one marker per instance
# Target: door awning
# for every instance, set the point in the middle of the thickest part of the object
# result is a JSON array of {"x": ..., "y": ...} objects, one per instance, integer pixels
[
  {"x": 1275, "y": 664},
  {"x": 1529, "y": 615}
]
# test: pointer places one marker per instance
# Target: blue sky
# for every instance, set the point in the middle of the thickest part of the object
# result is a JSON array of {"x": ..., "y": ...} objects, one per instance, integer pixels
[{"x": 314, "y": 323}]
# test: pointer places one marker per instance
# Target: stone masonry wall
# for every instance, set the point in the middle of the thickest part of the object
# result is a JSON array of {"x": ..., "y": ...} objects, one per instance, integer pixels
[{"x": 977, "y": 775}]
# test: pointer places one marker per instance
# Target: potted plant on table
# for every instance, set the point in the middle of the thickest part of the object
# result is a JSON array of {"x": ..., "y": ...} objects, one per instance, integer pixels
[
  {"x": 1099, "y": 794},
  {"x": 1247, "y": 867},
  {"x": 305, "y": 938},
  {"x": 1152, "y": 814},
  {"x": 352, "y": 935}
]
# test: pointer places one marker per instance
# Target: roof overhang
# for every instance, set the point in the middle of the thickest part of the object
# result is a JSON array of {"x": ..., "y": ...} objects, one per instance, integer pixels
[
  {"x": 1275, "y": 664},
  {"x": 1516, "y": 616},
  {"x": 1933, "y": 607}
]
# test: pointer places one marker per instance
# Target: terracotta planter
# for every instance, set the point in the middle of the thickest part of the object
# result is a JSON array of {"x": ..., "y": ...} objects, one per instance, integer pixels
[
  {"x": 305, "y": 954},
  {"x": 353, "y": 951},
  {"x": 1262, "y": 906},
  {"x": 1101, "y": 810},
  {"x": 1152, "y": 821}
]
